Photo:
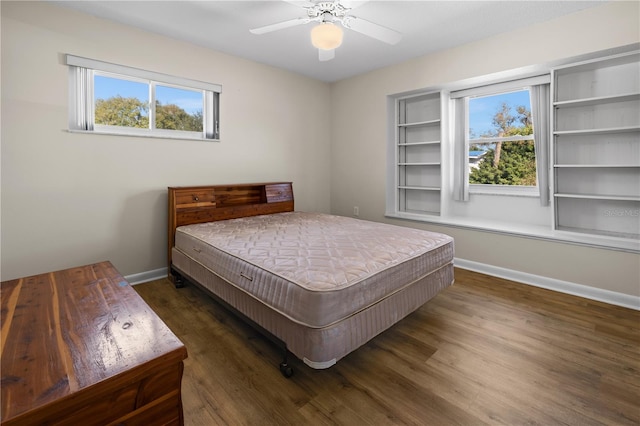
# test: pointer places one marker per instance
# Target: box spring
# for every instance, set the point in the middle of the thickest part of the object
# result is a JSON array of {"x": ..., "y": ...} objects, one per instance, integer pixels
[{"x": 320, "y": 347}]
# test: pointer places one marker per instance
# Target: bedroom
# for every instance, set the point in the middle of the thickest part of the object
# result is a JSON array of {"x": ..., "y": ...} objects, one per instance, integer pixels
[{"x": 73, "y": 199}]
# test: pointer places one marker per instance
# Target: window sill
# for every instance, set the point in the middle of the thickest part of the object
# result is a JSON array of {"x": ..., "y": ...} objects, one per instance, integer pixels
[
  {"x": 539, "y": 232},
  {"x": 143, "y": 135},
  {"x": 506, "y": 190}
]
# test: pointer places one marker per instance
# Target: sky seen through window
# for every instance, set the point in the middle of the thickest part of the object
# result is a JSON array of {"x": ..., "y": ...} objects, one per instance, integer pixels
[
  {"x": 482, "y": 109},
  {"x": 106, "y": 87}
]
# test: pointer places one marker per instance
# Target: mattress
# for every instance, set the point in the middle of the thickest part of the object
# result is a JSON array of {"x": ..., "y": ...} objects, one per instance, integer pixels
[{"x": 315, "y": 269}]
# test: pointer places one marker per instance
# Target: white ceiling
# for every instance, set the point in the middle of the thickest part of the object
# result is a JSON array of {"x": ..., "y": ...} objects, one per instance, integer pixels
[{"x": 427, "y": 26}]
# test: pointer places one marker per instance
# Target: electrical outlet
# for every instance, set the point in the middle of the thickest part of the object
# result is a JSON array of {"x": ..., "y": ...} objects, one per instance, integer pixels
[{"x": 356, "y": 211}]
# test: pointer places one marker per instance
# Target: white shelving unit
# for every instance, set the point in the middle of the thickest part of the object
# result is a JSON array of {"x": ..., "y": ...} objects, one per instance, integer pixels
[
  {"x": 596, "y": 146},
  {"x": 418, "y": 140}
]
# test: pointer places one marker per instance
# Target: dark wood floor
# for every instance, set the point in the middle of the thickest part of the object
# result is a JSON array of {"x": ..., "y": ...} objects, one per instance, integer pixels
[{"x": 484, "y": 351}]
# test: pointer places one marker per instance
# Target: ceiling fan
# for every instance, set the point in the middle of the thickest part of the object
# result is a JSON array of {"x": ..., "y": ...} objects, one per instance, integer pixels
[{"x": 327, "y": 36}]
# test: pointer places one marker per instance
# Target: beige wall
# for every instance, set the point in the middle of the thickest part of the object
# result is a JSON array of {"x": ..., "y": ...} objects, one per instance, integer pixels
[
  {"x": 71, "y": 199},
  {"x": 359, "y": 129}
]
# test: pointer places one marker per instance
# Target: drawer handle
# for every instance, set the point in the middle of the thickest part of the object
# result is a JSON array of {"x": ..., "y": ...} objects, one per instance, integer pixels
[
  {"x": 195, "y": 198},
  {"x": 243, "y": 275},
  {"x": 197, "y": 250}
]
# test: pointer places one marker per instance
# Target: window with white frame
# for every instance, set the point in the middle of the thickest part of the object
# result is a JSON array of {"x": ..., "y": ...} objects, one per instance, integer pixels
[
  {"x": 501, "y": 139},
  {"x": 115, "y": 99}
]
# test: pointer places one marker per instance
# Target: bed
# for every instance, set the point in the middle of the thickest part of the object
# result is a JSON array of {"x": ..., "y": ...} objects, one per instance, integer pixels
[{"x": 322, "y": 285}]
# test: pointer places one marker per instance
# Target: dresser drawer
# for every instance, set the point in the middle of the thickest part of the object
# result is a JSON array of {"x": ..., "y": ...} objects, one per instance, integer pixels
[
  {"x": 159, "y": 384},
  {"x": 164, "y": 411},
  {"x": 97, "y": 410}
]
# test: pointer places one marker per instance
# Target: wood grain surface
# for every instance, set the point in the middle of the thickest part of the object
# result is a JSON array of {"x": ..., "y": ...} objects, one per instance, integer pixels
[
  {"x": 81, "y": 344},
  {"x": 485, "y": 351},
  {"x": 198, "y": 204}
]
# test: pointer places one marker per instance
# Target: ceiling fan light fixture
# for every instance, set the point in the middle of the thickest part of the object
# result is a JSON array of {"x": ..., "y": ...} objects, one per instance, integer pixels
[{"x": 326, "y": 36}]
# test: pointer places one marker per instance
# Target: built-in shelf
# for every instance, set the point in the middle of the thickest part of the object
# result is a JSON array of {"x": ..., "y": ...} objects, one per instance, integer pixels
[
  {"x": 599, "y": 100},
  {"x": 599, "y": 197},
  {"x": 421, "y": 188},
  {"x": 623, "y": 129},
  {"x": 418, "y": 136},
  {"x": 418, "y": 164},
  {"x": 420, "y": 123},
  {"x": 419, "y": 143},
  {"x": 596, "y": 147},
  {"x": 595, "y": 166},
  {"x": 600, "y": 232}
]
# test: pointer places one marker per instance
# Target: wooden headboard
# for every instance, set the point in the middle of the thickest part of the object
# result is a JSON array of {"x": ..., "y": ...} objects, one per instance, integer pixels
[{"x": 198, "y": 204}]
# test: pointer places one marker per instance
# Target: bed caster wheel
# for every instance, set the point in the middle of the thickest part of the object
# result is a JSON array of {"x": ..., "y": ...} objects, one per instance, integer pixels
[
  {"x": 178, "y": 281},
  {"x": 286, "y": 370}
]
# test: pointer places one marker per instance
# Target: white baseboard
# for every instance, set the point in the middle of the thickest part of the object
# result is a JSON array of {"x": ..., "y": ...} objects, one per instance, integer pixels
[
  {"x": 144, "y": 277},
  {"x": 607, "y": 296}
]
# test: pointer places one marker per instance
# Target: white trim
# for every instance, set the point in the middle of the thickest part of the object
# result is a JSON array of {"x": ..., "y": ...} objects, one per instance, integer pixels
[
  {"x": 148, "y": 134},
  {"x": 606, "y": 296},
  {"x": 78, "y": 61},
  {"x": 494, "y": 139},
  {"x": 537, "y": 232},
  {"x": 511, "y": 74},
  {"x": 106, "y": 129},
  {"x": 503, "y": 86},
  {"x": 147, "y": 276},
  {"x": 504, "y": 190},
  {"x": 82, "y": 106}
]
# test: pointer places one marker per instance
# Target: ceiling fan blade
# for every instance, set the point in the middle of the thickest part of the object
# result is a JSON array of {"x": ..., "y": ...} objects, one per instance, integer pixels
[
  {"x": 300, "y": 3},
  {"x": 279, "y": 26},
  {"x": 352, "y": 4},
  {"x": 326, "y": 55},
  {"x": 372, "y": 30}
]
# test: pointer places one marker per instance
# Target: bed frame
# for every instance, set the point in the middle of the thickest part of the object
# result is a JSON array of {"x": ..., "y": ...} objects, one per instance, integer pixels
[{"x": 199, "y": 204}]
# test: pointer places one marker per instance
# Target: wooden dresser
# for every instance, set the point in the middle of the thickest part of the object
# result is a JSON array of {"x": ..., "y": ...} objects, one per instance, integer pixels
[{"x": 80, "y": 347}]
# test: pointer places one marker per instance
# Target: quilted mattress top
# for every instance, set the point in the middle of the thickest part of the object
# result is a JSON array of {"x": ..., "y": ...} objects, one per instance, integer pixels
[{"x": 354, "y": 263}]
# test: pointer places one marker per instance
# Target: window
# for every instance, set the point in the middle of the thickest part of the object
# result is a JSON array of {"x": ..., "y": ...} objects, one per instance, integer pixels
[
  {"x": 109, "y": 98},
  {"x": 500, "y": 139}
]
